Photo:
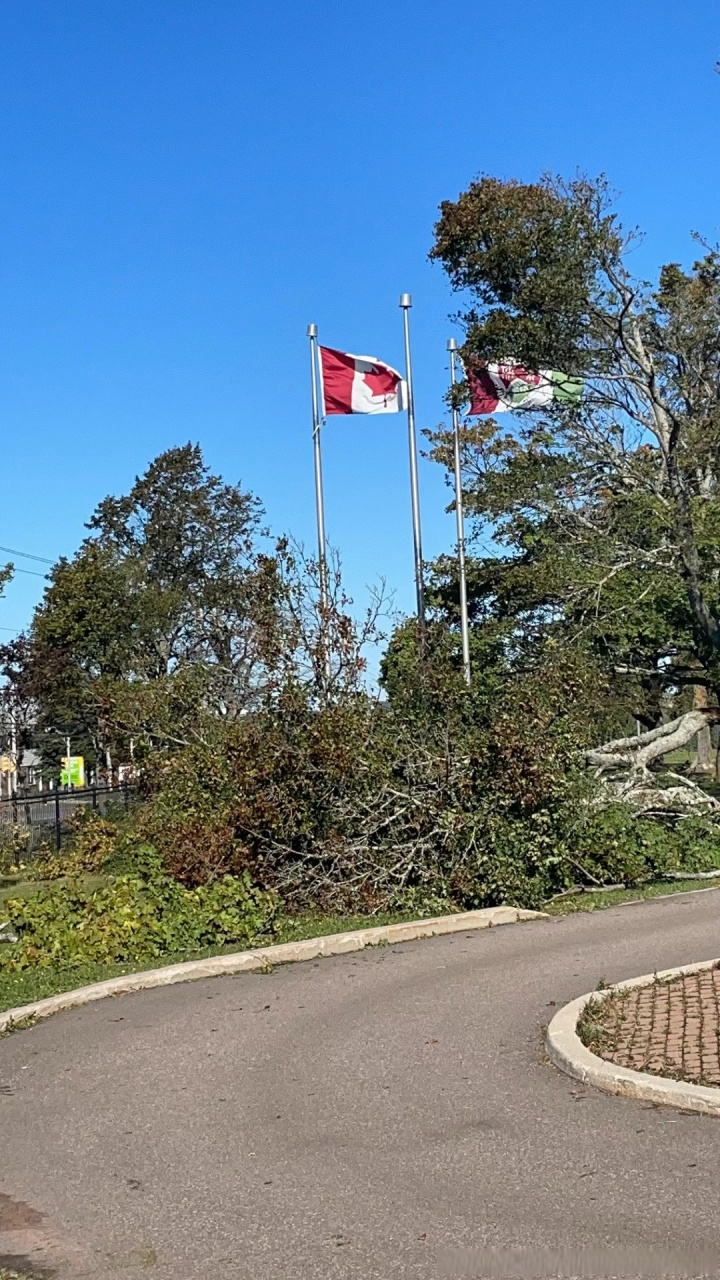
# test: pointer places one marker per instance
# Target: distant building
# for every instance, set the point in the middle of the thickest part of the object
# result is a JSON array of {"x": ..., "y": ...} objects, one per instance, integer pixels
[{"x": 30, "y": 770}]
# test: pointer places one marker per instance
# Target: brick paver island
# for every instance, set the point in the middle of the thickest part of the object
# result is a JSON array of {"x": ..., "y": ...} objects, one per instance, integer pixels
[{"x": 669, "y": 1028}]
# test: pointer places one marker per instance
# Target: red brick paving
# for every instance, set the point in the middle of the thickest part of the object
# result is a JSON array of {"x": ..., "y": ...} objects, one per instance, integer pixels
[{"x": 668, "y": 1028}]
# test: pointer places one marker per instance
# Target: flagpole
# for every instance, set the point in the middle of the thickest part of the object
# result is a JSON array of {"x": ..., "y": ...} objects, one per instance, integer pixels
[
  {"x": 406, "y": 303},
  {"x": 452, "y": 348},
  {"x": 319, "y": 499},
  {"x": 319, "y": 505}
]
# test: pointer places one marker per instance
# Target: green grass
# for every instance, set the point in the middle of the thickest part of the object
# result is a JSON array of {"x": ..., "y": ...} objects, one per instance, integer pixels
[
  {"x": 315, "y": 925},
  {"x": 612, "y": 897},
  {"x": 35, "y": 984},
  {"x": 17, "y": 887},
  {"x": 27, "y": 985}
]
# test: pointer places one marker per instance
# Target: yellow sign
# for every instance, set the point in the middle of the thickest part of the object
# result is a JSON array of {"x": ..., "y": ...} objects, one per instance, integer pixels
[
  {"x": 74, "y": 776},
  {"x": 7, "y": 764}
]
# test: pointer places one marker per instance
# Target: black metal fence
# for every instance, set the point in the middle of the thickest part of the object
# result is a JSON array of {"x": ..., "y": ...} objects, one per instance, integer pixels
[{"x": 46, "y": 815}]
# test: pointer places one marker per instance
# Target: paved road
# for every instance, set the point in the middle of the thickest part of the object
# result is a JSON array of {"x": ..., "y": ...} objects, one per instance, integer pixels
[{"x": 382, "y": 1115}]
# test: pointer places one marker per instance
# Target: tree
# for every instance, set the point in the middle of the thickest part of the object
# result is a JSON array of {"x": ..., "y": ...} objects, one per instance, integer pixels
[
  {"x": 169, "y": 579},
  {"x": 17, "y": 697},
  {"x": 605, "y": 514},
  {"x": 173, "y": 616}
]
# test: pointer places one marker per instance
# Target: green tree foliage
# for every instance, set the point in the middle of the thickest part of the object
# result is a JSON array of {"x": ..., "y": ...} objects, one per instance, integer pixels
[
  {"x": 604, "y": 516},
  {"x": 174, "y": 616},
  {"x": 6, "y": 702},
  {"x": 169, "y": 591}
]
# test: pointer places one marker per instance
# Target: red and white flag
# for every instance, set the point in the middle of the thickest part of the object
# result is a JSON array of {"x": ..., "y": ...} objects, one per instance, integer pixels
[{"x": 359, "y": 384}]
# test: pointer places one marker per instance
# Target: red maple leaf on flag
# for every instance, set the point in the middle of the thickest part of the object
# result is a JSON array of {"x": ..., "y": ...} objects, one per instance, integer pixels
[{"x": 381, "y": 381}]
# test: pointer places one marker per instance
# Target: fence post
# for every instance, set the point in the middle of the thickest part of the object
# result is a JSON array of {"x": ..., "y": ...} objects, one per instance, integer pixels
[
  {"x": 94, "y": 794},
  {"x": 125, "y": 789},
  {"x": 57, "y": 819}
]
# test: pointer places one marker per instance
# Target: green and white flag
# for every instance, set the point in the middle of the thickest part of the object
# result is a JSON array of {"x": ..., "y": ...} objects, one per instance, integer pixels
[{"x": 500, "y": 387}]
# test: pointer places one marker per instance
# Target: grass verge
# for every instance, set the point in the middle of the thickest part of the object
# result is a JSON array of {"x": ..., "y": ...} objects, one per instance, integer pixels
[
  {"x": 28, "y": 985},
  {"x": 19, "y": 888},
  {"x": 613, "y": 897},
  {"x": 600, "y": 1023},
  {"x": 35, "y": 984}
]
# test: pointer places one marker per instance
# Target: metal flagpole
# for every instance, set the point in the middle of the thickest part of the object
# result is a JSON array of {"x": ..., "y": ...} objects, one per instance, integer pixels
[
  {"x": 319, "y": 502},
  {"x": 452, "y": 348},
  {"x": 406, "y": 303}
]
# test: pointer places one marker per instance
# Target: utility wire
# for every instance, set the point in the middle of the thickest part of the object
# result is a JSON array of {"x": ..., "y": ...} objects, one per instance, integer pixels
[{"x": 26, "y": 556}]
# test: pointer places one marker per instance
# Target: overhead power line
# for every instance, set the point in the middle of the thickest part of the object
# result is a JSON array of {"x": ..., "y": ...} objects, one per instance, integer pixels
[{"x": 25, "y": 555}]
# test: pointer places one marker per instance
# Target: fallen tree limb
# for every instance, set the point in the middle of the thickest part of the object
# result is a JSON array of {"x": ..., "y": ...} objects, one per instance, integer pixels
[
  {"x": 623, "y": 765},
  {"x": 638, "y": 752}
]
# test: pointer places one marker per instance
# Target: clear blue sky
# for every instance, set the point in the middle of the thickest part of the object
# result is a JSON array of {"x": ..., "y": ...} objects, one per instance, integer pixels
[{"x": 185, "y": 185}]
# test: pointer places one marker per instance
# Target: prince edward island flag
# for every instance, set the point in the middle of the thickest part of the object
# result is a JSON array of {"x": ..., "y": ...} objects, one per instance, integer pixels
[{"x": 504, "y": 387}]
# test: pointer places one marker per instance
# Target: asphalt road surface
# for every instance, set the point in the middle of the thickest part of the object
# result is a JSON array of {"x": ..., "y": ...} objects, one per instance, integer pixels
[{"x": 388, "y": 1114}]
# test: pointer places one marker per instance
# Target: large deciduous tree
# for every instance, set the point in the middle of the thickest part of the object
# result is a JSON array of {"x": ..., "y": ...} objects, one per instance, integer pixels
[
  {"x": 169, "y": 580},
  {"x": 7, "y": 708},
  {"x": 175, "y": 618},
  {"x": 605, "y": 514}
]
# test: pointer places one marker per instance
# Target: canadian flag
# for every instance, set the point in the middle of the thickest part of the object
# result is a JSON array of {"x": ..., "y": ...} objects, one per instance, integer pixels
[{"x": 359, "y": 384}]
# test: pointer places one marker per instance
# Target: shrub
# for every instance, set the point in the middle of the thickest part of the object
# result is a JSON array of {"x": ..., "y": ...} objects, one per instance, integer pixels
[
  {"x": 357, "y": 806},
  {"x": 614, "y": 844},
  {"x": 92, "y": 843},
  {"x": 14, "y": 846},
  {"x": 353, "y": 805},
  {"x": 133, "y": 918}
]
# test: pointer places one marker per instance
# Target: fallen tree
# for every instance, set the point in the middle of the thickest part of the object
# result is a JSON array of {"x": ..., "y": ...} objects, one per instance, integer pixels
[{"x": 624, "y": 765}]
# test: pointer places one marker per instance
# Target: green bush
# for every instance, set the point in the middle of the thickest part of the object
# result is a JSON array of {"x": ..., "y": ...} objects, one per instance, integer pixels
[
  {"x": 14, "y": 847},
  {"x": 92, "y": 843},
  {"x": 356, "y": 806},
  {"x": 613, "y": 845},
  {"x": 133, "y": 917}
]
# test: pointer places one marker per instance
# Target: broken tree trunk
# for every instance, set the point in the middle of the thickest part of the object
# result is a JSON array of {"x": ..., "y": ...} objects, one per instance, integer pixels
[
  {"x": 703, "y": 762},
  {"x": 627, "y": 760},
  {"x": 639, "y": 751}
]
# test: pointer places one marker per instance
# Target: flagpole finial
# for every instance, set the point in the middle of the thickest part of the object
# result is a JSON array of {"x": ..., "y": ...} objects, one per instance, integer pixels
[
  {"x": 312, "y": 331},
  {"x": 451, "y": 344},
  {"x": 405, "y": 300}
]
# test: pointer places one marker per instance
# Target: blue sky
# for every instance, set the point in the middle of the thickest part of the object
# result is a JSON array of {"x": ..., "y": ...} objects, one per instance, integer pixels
[{"x": 186, "y": 185}]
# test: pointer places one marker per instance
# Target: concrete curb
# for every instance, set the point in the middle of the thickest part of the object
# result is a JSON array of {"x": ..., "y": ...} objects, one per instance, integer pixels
[
  {"x": 264, "y": 958},
  {"x": 570, "y": 1054}
]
